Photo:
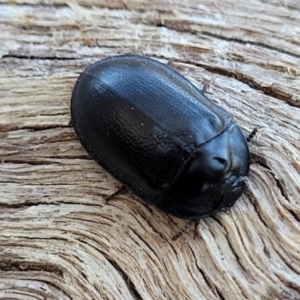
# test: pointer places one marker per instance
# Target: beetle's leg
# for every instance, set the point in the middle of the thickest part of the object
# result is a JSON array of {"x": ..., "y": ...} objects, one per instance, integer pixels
[
  {"x": 252, "y": 134},
  {"x": 195, "y": 230},
  {"x": 170, "y": 61},
  {"x": 205, "y": 87},
  {"x": 119, "y": 191},
  {"x": 182, "y": 230}
]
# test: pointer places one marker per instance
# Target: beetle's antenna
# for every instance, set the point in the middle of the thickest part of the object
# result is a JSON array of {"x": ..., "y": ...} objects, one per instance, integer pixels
[
  {"x": 252, "y": 134},
  {"x": 119, "y": 191},
  {"x": 182, "y": 230}
]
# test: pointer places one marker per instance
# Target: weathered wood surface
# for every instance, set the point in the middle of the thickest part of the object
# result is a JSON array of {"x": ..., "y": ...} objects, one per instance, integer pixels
[{"x": 58, "y": 238}]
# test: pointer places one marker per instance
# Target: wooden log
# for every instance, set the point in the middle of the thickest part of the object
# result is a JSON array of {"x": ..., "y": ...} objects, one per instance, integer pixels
[{"x": 58, "y": 237}]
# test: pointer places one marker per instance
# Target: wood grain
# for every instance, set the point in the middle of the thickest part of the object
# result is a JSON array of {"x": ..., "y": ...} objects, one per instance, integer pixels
[{"x": 58, "y": 237}]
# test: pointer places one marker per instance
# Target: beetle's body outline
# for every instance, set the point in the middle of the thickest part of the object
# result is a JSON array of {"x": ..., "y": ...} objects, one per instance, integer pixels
[{"x": 155, "y": 132}]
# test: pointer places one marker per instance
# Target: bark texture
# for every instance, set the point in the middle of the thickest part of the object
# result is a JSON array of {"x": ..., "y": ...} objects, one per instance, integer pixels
[{"x": 58, "y": 237}]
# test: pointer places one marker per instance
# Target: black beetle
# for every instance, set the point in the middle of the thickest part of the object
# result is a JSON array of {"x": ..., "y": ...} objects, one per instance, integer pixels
[{"x": 160, "y": 136}]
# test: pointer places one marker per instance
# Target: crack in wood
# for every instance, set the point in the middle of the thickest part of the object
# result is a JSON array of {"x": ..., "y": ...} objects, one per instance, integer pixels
[
  {"x": 204, "y": 276},
  {"x": 235, "y": 40},
  {"x": 9, "y": 265},
  {"x": 131, "y": 287},
  {"x": 38, "y": 57}
]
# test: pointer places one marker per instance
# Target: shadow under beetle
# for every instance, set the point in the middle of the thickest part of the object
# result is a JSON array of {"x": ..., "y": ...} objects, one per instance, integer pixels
[{"x": 159, "y": 135}]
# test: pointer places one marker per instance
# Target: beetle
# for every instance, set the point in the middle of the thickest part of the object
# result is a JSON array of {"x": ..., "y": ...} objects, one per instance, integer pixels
[{"x": 159, "y": 135}]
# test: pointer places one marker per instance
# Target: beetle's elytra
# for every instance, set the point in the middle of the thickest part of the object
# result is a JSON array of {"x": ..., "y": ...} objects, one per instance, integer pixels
[{"x": 159, "y": 135}]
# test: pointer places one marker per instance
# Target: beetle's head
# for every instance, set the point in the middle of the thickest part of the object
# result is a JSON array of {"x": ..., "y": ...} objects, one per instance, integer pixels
[{"x": 219, "y": 166}]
